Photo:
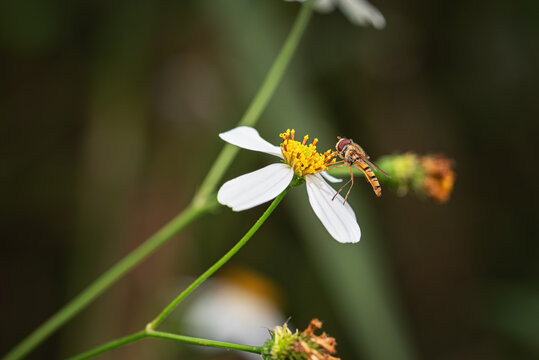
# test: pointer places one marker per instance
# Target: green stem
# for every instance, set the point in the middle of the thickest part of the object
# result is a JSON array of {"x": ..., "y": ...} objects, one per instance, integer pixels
[
  {"x": 200, "y": 204},
  {"x": 150, "y": 332},
  {"x": 111, "y": 345},
  {"x": 344, "y": 173},
  {"x": 108, "y": 278},
  {"x": 204, "y": 342},
  {"x": 167, "y": 336},
  {"x": 218, "y": 264},
  {"x": 260, "y": 101}
]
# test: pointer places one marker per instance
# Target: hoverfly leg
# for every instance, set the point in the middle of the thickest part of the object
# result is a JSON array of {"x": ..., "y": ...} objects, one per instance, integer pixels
[
  {"x": 342, "y": 187},
  {"x": 339, "y": 164},
  {"x": 352, "y": 180}
]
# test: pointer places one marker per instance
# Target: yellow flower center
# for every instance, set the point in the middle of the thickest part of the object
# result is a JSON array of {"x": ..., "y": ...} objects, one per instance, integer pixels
[{"x": 304, "y": 159}]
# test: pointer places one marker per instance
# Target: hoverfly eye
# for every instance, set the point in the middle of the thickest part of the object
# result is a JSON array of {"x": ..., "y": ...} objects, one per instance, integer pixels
[{"x": 341, "y": 144}]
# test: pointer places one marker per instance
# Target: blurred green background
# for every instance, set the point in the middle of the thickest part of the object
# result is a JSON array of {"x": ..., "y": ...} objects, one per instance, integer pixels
[{"x": 109, "y": 119}]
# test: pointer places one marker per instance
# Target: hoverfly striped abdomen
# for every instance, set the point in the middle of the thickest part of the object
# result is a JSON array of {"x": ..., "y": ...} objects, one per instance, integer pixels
[{"x": 371, "y": 177}]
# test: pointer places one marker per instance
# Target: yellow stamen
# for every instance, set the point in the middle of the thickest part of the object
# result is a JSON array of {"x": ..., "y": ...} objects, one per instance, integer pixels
[{"x": 304, "y": 159}]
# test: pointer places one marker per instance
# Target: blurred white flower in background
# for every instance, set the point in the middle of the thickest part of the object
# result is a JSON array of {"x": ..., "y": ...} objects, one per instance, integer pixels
[
  {"x": 359, "y": 12},
  {"x": 239, "y": 307}
]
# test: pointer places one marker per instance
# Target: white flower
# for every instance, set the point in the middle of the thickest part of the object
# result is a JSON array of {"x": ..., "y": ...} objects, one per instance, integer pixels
[
  {"x": 359, "y": 12},
  {"x": 239, "y": 308},
  {"x": 300, "y": 160}
]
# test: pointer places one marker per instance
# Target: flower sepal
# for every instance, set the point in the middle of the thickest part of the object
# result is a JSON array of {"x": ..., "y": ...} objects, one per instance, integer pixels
[{"x": 297, "y": 181}]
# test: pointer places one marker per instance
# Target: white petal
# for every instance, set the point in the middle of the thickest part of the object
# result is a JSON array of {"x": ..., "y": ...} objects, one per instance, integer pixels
[
  {"x": 338, "y": 218},
  {"x": 324, "y": 6},
  {"x": 248, "y": 138},
  {"x": 361, "y": 12},
  {"x": 255, "y": 188},
  {"x": 330, "y": 178}
]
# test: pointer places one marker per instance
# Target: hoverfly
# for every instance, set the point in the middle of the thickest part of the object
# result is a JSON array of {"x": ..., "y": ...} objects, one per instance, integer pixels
[{"x": 354, "y": 155}]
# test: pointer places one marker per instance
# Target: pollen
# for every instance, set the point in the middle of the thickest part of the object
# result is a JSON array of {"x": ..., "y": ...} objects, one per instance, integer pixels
[{"x": 303, "y": 158}]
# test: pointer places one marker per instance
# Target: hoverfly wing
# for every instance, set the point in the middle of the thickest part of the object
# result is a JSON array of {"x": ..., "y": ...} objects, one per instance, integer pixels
[{"x": 376, "y": 167}]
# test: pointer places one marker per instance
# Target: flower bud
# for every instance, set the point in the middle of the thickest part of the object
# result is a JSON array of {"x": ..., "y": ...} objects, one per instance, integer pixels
[
  {"x": 430, "y": 175},
  {"x": 285, "y": 344}
]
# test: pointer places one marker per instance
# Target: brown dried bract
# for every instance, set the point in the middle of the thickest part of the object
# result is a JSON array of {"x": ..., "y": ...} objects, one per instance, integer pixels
[
  {"x": 315, "y": 324},
  {"x": 327, "y": 344},
  {"x": 439, "y": 177}
]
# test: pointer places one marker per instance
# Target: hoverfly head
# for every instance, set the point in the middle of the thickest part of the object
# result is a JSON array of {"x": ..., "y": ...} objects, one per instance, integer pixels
[{"x": 341, "y": 144}]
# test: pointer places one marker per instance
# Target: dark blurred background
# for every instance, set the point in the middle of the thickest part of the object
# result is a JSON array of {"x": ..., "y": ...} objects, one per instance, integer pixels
[{"x": 110, "y": 113}]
